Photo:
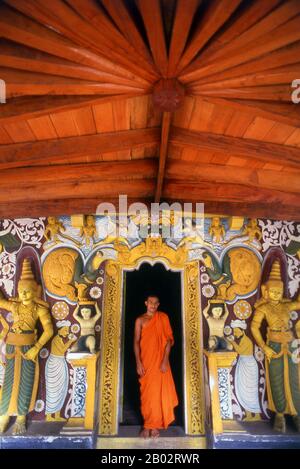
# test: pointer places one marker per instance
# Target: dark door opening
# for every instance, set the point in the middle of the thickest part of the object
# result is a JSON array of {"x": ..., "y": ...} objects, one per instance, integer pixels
[{"x": 167, "y": 286}]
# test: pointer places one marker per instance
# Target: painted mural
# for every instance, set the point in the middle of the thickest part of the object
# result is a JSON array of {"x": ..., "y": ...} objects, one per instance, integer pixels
[{"x": 63, "y": 260}]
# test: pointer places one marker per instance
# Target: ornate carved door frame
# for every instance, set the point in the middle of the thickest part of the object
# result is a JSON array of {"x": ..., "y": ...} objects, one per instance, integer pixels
[{"x": 152, "y": 251}]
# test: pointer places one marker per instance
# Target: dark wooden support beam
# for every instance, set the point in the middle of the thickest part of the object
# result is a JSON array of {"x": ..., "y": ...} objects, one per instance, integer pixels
[
  {"x": 29, "y": 107},
  {"x": 49, "y": 150},
  {"x": 285, "y": 113},
  {"x": 57, "y": 207},
  {"x": 259, "y": 202},
  {"x": 245, "y": 147},
  {"x": 285, "y": 181},
  {"x": 163, "y": 154}
]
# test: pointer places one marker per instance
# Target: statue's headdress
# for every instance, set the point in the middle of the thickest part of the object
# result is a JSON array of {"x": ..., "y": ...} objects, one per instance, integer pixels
[
  {"x": 27, "y": 273},
  {"x": 275, "y": 273}
]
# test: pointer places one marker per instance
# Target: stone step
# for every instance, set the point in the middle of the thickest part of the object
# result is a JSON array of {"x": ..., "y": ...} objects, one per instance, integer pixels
[
  {"x": 185, "y": 442},
  {"x": 172, "y": 438}
]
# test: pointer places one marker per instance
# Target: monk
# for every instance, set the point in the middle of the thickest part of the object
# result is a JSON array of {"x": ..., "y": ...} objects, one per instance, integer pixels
[{"x": 153, "y": 339}]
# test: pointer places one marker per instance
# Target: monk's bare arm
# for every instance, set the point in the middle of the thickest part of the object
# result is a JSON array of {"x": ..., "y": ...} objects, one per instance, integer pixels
[{"x": 136, "y": 346}]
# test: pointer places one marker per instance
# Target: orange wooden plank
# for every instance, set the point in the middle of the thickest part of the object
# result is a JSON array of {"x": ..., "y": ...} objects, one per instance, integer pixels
[
  {"x": 83, "y": 120},
  {"x": 294, "y": 139},
  {"x": 279, "y": 133},
  {"x": 121, "y": 116},
  {"x": 238, "y": 124},
  {"x": 42, "y": 128},
  {"x": 64, "y": 124},
  {"x": 219, "y": 121},
  {"x": 259, "y": 128},
  {"x": 19, "y": 132},
  {"x": 103, "y": 116},
  {"x": 138, "y": 108},
  {"x": 4, "y": 137},
  {"x": 201, "y": 115}
]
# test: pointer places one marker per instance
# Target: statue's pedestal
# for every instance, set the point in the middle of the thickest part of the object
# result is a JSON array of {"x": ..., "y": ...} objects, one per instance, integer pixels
[
  {"x": 227, "y": 433},
  {"x": 48, "y": 435},
  {"x": 254, "y": 435},
  {"x": 80, "y": 430}
]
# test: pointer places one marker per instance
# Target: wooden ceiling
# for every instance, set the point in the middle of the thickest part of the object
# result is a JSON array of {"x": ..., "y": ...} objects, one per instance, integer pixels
[{"x": 165, "y": 100}]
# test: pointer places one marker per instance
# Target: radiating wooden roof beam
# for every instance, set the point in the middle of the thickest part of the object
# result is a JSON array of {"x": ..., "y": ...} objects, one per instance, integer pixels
[
  {"x": 95, "y": 32},
  {"x": 213, "y": 18},
  {"x": 126, "y": 25},
  {"x": 152, "y": 18},
  {"x": 288, "y": 33},
  {"x": 184, "y": 15},
  {"x": 21, "y": 29}
]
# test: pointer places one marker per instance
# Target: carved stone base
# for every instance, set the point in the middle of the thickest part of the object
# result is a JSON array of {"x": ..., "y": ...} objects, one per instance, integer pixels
[
  {"x": 254, "y": 435},
  {"x": 49, "y": 435}
]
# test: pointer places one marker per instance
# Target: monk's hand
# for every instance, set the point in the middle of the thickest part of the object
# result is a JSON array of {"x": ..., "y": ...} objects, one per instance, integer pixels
[
  {"x": 32, "y": 353},
  {"x": 140, "y": 369},
  {"x": 164, "y": 366},
  {"x": 269, "y": 352}
]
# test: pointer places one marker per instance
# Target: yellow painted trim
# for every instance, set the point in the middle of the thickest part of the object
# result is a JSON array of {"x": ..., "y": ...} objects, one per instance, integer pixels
[
  {"x": 225, "y": 359},
  {"x": 290, "y": 408},
  {"x": 78, "y": 361},
  {"x": 182, "y": 443},
  {"x": 90, "y": 393},
  {"x": 217, "y": 360},
  {"x": 193, "y": 379},
  {"x": 236, "y": 223},
  {"x": 35, "y": 385},
  {"x": 153, "y": 250},
  {"x": 214, "y": 392}
]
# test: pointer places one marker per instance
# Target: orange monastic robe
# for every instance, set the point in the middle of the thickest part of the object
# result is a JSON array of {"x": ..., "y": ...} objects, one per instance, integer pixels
[{"x": 158, "y": 393}]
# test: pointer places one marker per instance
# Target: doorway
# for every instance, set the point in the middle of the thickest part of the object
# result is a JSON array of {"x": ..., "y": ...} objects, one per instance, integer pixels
[{"x": 137, "y": 284}]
